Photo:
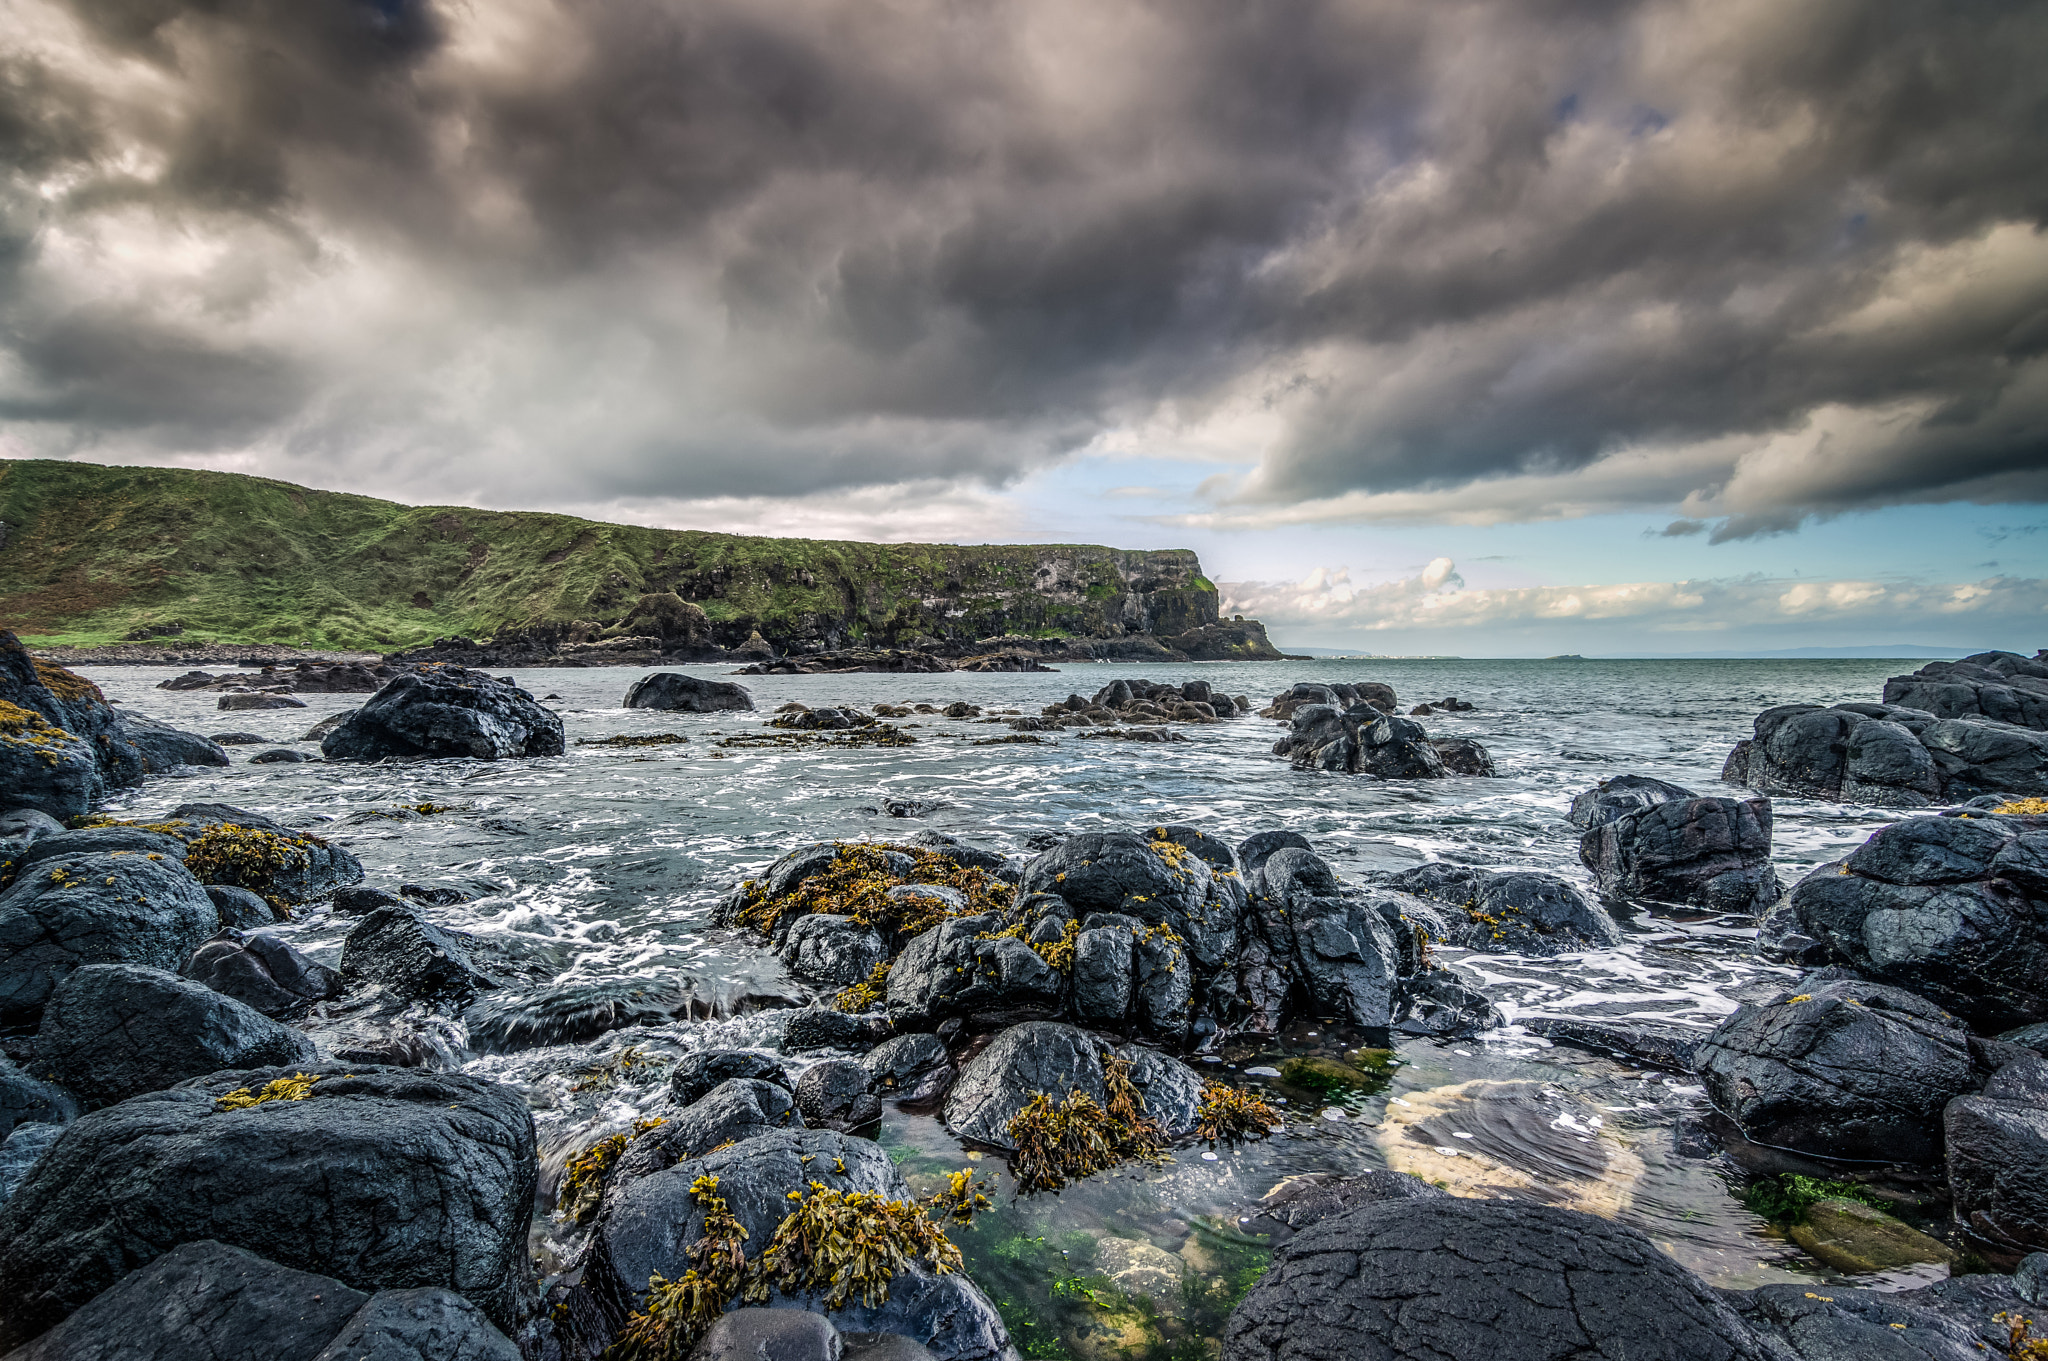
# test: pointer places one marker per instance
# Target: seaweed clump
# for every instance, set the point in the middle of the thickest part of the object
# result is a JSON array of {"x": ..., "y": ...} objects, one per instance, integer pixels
[
  {"x": 248, "y": 857},
  {"x": 585, "y": 1176},
  {"x": 627, "y": 739},
  {"x": 21, "y": 727},
  {"x": 1786, "y": 1198},
  {"x": 676, "y": 1313},
  {"x": 2023, "y": 807},
  {"x": 1230, "y": 1115},
  {"x": 2020, "y": 1342},
  {"x": 297, "y": 1087},
  {"x": 867, "y": 994},
  {"x": 857, "y": 882},
  {"x": 1059, "y": 954},
  {"x": 1058, "y": 1142}
]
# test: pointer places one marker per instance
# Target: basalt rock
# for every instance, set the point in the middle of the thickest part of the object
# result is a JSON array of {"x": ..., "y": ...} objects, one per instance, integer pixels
[
  {"x": 736, "y": 1109},
  {"x": 76, "y": 910},
  {"x": 261, "y": 971},
  {"x": 910, "y": 1067},
  {"x": 997, "y": 1083},
  {"x": 1891, "y": 755},
  {"x": 1955, "y": 909},
  {"x": 381, "y": 1178},
  {"x": 415, "y": 959},
  {"x": 1336, "y": 947},
  {"x": 696, "y": 1074},
  {"x": 575, "y": 1012},
  {"x": 951, "y": 970},
  {"x": 1336, "y": 695},
  {"x": 1363, "y": 741},
  {"x": 112, "y": 1031},
  {"x": 164, "y": 748},
  {"x": 1521, "y": 911},
  {"x": 1421, "y": 1279},
  {"x": 837, "y": 1095},
  {"x": 1997, "y": 1150},
  {"x": 258, "y": 700},
  {"x": 678, "y": 693},
  {"x": 448, "y": 712},
  {"x": 1840, "y": 1070},
  {"x": 61, "y": 749},
  {"x": 1711, "y": 853},
  {"x": 1621, "y": 795},
  {"x": 1997, "y": 685}
]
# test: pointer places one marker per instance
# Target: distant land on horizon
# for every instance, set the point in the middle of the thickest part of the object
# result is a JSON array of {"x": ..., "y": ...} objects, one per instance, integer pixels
[{"x": 1871, "y": 651}]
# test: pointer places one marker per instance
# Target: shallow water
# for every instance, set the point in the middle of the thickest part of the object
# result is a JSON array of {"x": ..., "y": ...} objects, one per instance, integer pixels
[{"x": 604, "y": 864}]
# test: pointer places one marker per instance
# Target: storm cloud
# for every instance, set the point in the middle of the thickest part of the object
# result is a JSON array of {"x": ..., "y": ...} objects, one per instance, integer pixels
[{"x": 1740, "y": 260}]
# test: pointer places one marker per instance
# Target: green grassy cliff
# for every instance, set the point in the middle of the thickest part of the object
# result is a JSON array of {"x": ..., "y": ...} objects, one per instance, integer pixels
[{"x": 92, "y": 555}]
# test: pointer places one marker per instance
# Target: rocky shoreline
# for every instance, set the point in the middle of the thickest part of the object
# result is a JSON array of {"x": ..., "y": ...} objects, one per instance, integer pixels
[{"x": 209, "y": 1137}]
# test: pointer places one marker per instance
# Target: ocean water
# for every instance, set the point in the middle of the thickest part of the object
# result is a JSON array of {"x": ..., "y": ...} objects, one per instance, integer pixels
[{"x": 604, "y": 865}]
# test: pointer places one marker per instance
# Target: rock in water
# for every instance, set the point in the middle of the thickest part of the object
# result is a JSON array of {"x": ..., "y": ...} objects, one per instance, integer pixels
[
  {"x": 164, "y": 748},
  {"x": 1529, "y": 913},
  {"x": 647, "y": 1227},
  {"x": 386, "y": 1178},
  {"x": 260, "y": 970},
  {"x": 112, "y": 1031},
  {"x": 1997, "y": 685},
  {"x": 696, "y": 1074},
  {"x": 1840, "y": 1070},
  {"x": 1424, "y": 1279},
  {"x": 1954, "y": 909},
  {"x": 835, "y": 1095},
  {"x": 1339, "y": 948},
  {"x": 414, "y": 958},
  {"x": 448, "y": 712},
  {"x": 95, "y": 909},
  {"x": 424, "y": 1324},
  {"x": 1611, "y": 799},
  {"x": 1710, "y": 853},
  {"x": 1038, "y": 1056},
  {"x": 60, "y": 748},
  {"x": 676, "y": 692},
  {"x": 1998, "y": 1157}
]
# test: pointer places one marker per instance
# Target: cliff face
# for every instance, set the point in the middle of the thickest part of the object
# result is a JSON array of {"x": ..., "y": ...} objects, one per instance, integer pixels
[{"x": 98, "y": 555}]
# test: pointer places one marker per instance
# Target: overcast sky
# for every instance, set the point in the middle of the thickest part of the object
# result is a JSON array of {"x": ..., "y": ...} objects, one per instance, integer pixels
[{"x": 1434, "y": 325}]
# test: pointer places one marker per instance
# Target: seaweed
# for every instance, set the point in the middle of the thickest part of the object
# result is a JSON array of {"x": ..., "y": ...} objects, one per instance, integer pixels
[
  {"x": 624, "y": 739},
  {"x": 867, "y": 994},
  {"x": 584, "y": 1178},
  {"x": 295, "y": 1088},
  {"x": 1786, "y": 1198},
  {"x": 2020, "y": 1342},
  {"x": 1059, "y": 1142},
  {"x": 845, "y": 1244},
  {"x": 1231, "y": 1115},
  {"x": 246, "y": 857},
  {"x": 2025, "y": 808},
  {"x": 675, "y": 1314},
  {"x": 857, "y": 882}
]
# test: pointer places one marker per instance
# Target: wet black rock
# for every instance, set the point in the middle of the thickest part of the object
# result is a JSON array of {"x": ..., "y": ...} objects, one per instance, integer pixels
[
  {"x": 1521, "y": 911},
  {"x": 258, "y": 700},
  {"x": 1670, "y": 1048},
  {"x": 831, "y": 951},
  {"x": 1363, "y": 741},
  {"x": 770, "y": 1335},
  {"x": 279, "y": 756},
  {"x": 1337, "y": 947},
  {"x": 1170, "y": 1090},
  {"x": 95, "y": 909},
  {"x": 696, "y": 1074},
  {"x": 1998, "y": 1158},
  {"x": 1955, "y": 909},
  {"x": 1840, "y": 1070},
  {"x": 21, "y": 828},
  {"x": 62, "y": 753},
  {"x": 27, "y": 1099},
  {"x": 112, "y": 1031},
  {"x": 910, "y": 1067},
  {"x": 360, "y": 900},
  {"x": 1157, "y": 879},
  {"x": 824, "y": 1028},
  {"x": 951, "y": 971},
  {"x": 1998, "y": 685},
  {"x": 738, "y": 1108},
  {"x": 1948, "y": 1321},
  {"x": 314, "y": 867},
  {"x": 1440, "y": 1003},
  {"x": 570, "y": 1013},
  {"x": 1856, "y": 753},
  {"x": 1623, "y": 794},
  {"x": 1463, "y": 756},
  {"x": 1038, "y": 1056},
  {"x": 203, "y": 1301},
  {"x": 240, "y": 739},
  {"x": 424, "y": 1324},
  {"x": 836, "y": 1095},
  {"x": 647, "y": 1226},
  {"x": 1303, "y": 1201},
  {"x": 676, "y": 692},
  {"x": 164, "y": 748},
  {"x": 21, "y": 1151},
  {"x": 382, "y": 1178},
  {"x": 240, "y": 909},
  {"x": 1424, "y": 1279},
  {"x": 447, "y": 713},
  {"x": 1710, "y": 853},
  {"x": 258, "y": 969},
  {"x": 99, "y": 841},
  {"x": 414, "y": 958},
  {"x": 1338, "y": 695}
]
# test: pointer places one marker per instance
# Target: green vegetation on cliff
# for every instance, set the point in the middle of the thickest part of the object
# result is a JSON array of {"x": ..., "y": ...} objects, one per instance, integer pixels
[{"x": 94, "y": 555}]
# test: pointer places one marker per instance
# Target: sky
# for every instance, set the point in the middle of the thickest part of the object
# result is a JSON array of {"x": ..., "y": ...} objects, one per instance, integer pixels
[{"x": 1488, "y": 327}]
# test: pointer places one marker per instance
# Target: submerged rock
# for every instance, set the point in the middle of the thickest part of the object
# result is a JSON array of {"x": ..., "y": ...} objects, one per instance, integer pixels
[
  {"x": 1427, "y": 1278},
  {"x": 164, "y": 748},
  {"x": 570, "y": 1013},
  {"x": 1851, "y": 1236},
  {"x": 1841, "y": 1070},
  {"x": 382, "y": 1178},
  {"x": 449, "y": 712},
  {"x": 112, "y": 1031},
  {"x": 1955, "y": 909}
]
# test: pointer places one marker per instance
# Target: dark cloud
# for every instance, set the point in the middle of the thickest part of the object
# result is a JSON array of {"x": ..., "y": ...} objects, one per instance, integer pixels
[
  {"x": 726, "y": 248},
  {"x": 1678, "y": 529}
]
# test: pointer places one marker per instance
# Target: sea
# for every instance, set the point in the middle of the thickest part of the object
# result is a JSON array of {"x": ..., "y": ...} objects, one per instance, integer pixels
[{"x": 604, "y": 865}]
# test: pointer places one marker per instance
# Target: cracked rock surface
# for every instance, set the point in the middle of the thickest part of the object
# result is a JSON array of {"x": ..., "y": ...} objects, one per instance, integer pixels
[
  {"x": 1431, "y": 1280},
  {"x": 382, "y": 1178}
]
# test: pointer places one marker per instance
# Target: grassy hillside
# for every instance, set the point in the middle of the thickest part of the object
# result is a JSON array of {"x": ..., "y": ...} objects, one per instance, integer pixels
[{"x": 95, "y": 555}]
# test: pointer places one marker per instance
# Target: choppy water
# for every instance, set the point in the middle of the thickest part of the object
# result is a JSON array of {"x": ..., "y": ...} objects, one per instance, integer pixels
[{"x": 603, "y": 864}]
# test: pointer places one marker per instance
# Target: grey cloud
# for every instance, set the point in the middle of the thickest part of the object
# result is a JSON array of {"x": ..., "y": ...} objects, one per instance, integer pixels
[
  {"x": 1678, "y": 529},
  {"x": 769, "y": 247}
]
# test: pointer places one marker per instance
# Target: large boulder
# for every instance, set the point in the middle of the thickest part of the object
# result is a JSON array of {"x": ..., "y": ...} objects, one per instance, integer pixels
[
  {"x": 1890, "y": 755},
  {"x": 1038, "y": 1056},
  {"x": 235, "y": 847},
  {"x": 1522, "y": 911},
  {"x": 49, "y": 714},
  {"x": 1710, "y": 853},
  {"x": 1998, "y": 685},
  {"x": 1840, "y": 1070},
  {"x": 448, "y": 712},
  {"x": 206, "y": 1301},
  {"x": 697, "y": 1073},
  {"x": 1337, "y": 948},
  {"x": 106, "y": 908},
  {"x": 261, "y": 971},
  {"x": 679, "y": 693},
  {"x": 164, "y": 748},
  {"x": 1951, "y": 1320},
  {"x": 1997, "y": 1145},
  {"x": 112, "y": 1031},
  {"x": 1978, "y": 756},
  {"x": 647, "y": 1227},
  {"x": 1427, "y": 1279},
  {"x": 1952, "y": 908},
  {"x": 21, "y": 828},
  {"x": 381, "y": 1178},
  {"x": 738, "y": 1108},
  {"x": 959, "y": 967},
  {"x": 831, "y": 951},
  {"x": 1170, "y": 878},
  {"x": 1363, "y": 741},
  {"x": 1621, "y": 795}
]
